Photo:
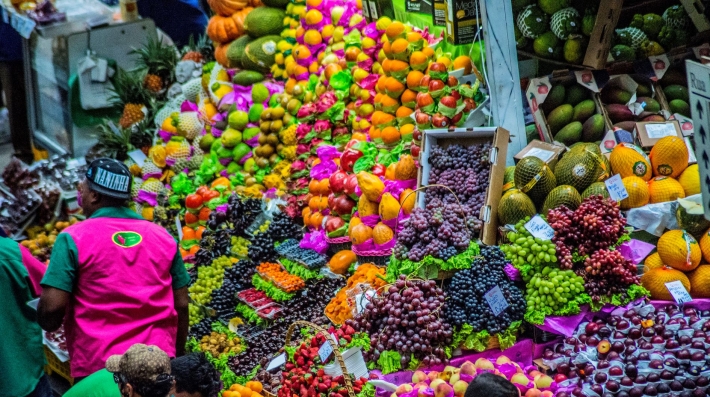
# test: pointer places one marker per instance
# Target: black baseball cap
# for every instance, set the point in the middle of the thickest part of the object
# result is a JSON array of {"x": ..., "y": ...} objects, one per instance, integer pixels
[{"x": 110, "y": 177}]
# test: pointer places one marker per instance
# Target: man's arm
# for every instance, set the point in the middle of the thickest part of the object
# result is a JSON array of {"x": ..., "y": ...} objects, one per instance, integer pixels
[
  {"x": 181, "y": 306},
  {"x": 52, "y": 307}
]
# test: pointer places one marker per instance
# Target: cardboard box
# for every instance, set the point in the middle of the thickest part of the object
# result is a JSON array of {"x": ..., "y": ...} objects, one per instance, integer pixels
[
  {"x": 462, "y": 23},
  {"x": 647, "y": 133},
  {"x": 547, "y": 152},
  {"x": 696, "y": 12},
  {"x": 499, "y": 138},
  {"x": 421, "y": 6},
  {"x": 600, "y": 39},
  {"x": 438, "y": 12}
]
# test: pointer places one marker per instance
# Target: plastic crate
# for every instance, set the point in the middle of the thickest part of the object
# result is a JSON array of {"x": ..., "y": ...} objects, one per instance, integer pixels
[{"x": 55, "y": 366}]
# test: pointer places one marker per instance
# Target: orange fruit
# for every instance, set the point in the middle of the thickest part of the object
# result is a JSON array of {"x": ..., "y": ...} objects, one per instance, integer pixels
[
  {"x": 393, "y": 88},
  {"x": 389, "y": 173},
  {"x": 389, "y": 104},
  {"x": 359, "y": 136},
  {"x": 381, "y": 84},
  {"x": 324, "y": 187},
  {"x": 397, "y": 66},
  {"x": 403, "y": 111},
  {"x": 406, "y": 130},
  {"x": 414, "y": 37},
  {"x": 429, "y": 52},
  {"x": 387, "y": 48},
  {"x": 193, "y": 250},
  {"x": 306, "y": 214},
  {"x": 375, "y": 133},
  {"x": 312, "y": 37},
  {"x": 313, "y": 187},
  {"x": 316, "y": 219},
  {"x": 463, "y": 62},
  {"x": 204, "y": 214},
  {"x": 413, "y": 79},
  {"x": 418, "y": 60},
  {"x": 313, "y": 17},
  {"x": 245, "y": 392},
  {"x": 409, "y": 98},
  {"x": 445, "y": 60},
  {"x": 400, "y": 46},
  {"x": 191, "y": 218},
  {"x": 390, "y": 135},
  {"x": 183, "y": 253},
  {"x": 255, "y": 386},
  {"x": 188, "y": 233},
  {"x": 394, "y": 30},
  {"x": 199, "y": 231}
]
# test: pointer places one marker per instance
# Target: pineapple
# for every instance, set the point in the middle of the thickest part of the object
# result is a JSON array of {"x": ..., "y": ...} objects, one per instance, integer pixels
[
  {"x": 131, "y": 97},
  {"x": 200, "y": 51},
  {"x": 114, "y": 142},
  {"x": 159, "y": 62},
  {"x": 141, "y": 137}
]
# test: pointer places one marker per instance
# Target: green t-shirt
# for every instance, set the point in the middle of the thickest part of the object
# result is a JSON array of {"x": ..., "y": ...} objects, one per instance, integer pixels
[
  {"x": 62, "y": 271},
  {"x": 98, "y": 384}
]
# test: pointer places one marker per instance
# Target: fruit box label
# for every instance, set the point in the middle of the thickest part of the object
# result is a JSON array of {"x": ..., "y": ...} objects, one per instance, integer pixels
[
  {"x": 542, "y": 154},
  {"x": 423, "y": 6},
  {"x": 496, "y": 300},
  {"x": 438, "y": 12},
  {"x": 461, "y": 21},
  {"x": 658, "y": 131},
  {"x": 680, "y": 294}
]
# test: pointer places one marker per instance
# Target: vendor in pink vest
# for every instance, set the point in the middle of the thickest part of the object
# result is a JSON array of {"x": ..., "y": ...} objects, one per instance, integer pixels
[{"x": 115, "y": 279}]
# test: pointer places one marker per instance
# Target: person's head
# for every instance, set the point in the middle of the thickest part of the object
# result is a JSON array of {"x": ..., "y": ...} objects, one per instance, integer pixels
[
  {"x": 490, "y": 385},
  {"x": 142, "y": 371},
  {"x": 107, "y": 184},
  {"x": 195, "y": 376}
]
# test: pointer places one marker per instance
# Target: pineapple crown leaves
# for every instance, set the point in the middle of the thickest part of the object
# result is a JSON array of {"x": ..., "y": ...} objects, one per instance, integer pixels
[
  {"x": 157, "y": 58},
  {"x": 115, "y": 142},
  {"x": 203, "y": 45},
  {"x": 128, "y": 88},
  {"x": 141, "y": 133}
]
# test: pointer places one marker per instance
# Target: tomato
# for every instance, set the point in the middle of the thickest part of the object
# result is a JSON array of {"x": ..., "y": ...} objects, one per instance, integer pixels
[
  {"x": 209, "y": 195},
  {"x": 193, "y": 201},
  {"x": 199, "y": 231},
  {"x": 204, "y": 214},
  {"x": 183, "y": 253},
  {"x": 193, "y": 250},
  {"x": 202, "y": 190},
  {"x": 191, "y": 219},
  {"x": 188, "y": 233},
  {"x": 378, "y": 169},
  {"x": 221, "y": 181}
]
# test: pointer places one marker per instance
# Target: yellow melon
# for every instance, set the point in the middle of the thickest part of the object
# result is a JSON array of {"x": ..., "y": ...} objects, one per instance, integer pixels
[
  {"x": 690, "y": 180},
  {"x": 663, "y": 188},
  {"x": 652, "y": 261},
  {"x": 669, "y": 157},
  {"x": 638, "y": 193},
  {"x": 679, "y": 250},
  {"x": 655, "y": 282},
  {"x": 700, "y": 282},
  {"x": 705, "y": 245},
  {"x": 629, "y": 160}
]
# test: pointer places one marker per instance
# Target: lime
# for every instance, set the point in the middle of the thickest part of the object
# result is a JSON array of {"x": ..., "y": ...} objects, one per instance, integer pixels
[
  {"x": 250, "y": 133},
  {"x": 206, "y": 142},
  {"x": 239, "y": 151},
  {"x": 259, "y": 93},
  {"x": 238, "y": 120},
  {"x": 255, "y": 112},
  {"x": 231, "y": 137}
]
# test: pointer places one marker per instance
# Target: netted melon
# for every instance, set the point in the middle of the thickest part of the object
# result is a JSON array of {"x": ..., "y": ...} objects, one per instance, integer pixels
[
  {"x": 595, "y": 189},
  {"x": 508, "y": 181},
  {"x": 532, "y": 21},
  {"x": 514, "y": 206},
  {"x": 580, "y": 167},
  {"x": 562, "y": 195},
  {"x": 700, "y": 282},
  {"x": 534, "y": 178},
  {"x": 655, "y": 281}
]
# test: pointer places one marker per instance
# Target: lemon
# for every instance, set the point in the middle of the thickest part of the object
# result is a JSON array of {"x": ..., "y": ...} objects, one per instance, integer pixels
[
  {"x": 679, "y": 250},
  {"x": 663, "y": 188},
  {"x": 690, "y": 180},
  {"x": 652, "y": 261},
  {"x": 669, "y": 157},
  {"x": 655, "y": 282},
  {"x": 238, "y": 120},
  {"x": 638, "y": 193}
]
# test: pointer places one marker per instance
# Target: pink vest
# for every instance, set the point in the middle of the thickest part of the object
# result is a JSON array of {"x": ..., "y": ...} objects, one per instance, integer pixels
[{"x": 123, "y": 293}]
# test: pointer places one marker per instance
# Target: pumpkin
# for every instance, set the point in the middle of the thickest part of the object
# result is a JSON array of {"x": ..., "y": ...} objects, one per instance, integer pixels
[
  {"x": 360, "y": 233},
  {"x": 382, "y": 234},
  {"x": 227, "y": 7},
  {"x": 406, "y": 169},
  {"x": 366, "y": 207},
  {"x": 371, "y": 185},
  {"x": 407, "y": 200},
  {"x": 341, "y": 261},
  {"x": 389, "y": 207},
  {"x": 223, "y": 29}
]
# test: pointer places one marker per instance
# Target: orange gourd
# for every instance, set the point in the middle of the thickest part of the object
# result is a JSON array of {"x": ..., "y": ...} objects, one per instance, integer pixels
[
  {"x": 220, "y": 54},
  {"x": 341, "y": 261},
  {"x": 353, "y": 222},
  {"x": 382, "y": 234},
  {"x": 360, "y": 234},
  {"x": 223, "y": 29},
  {"x": 227, "y": 7}
]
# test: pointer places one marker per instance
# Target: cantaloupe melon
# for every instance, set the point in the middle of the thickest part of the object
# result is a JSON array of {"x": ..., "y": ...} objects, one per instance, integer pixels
[
  {"x": 655, "y": 282},
  {"x": 700, "y": 282}
]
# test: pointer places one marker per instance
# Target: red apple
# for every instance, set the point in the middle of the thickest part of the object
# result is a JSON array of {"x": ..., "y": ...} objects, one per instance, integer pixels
[
  {"x": 558, "y": 377},
  {"x": 333, "y": 223},
  {"x": 378, "y": 169},
  {"x": 337, "y": 181},
  {"x": 415, "y": 149},
  {"x": 437, "y": 67},
  {"x": 470, "y": 104},
  {"x": 331, "y": 200},
  {"x": 456, "y": 94},
  {"x": 417, "y": 135},
  {"x": 343, "y": 205},
  {"x": 424, "y": 82},
  {"x": 436, "y": 85},
  {"x": 440, "y": 121},
  {"x": 452, "y": 81},
  {"x": 449, "y": 101},
  {"x": 421, "y": 117},
  {"x": 350, "y": 184},
  {"x": 424, "y": 99},
  {"x": 457, "y": 117}
]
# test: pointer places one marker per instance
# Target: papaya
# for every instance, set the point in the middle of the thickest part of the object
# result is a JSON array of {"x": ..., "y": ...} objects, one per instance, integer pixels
[{"x": 371, "y": 186}]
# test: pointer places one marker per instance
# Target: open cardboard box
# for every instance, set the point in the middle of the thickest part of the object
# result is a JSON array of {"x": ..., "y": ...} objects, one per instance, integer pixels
[
  {"x": 499, "y": 138},
  {"x": 631, "y": 84},
  {"x": 647, "y": 133},
  {"x": 696, "y": 12},
  {"x": 539, "y": 88}
]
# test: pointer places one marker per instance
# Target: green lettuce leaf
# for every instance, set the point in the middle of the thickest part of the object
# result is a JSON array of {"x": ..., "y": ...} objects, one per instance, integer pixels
[
  {"x": 270, "y": 290},
  {"x": 389, "y": 362}
]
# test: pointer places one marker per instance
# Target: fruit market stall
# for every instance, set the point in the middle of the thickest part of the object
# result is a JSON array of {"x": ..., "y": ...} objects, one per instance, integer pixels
[{"x": 351, "y": 227}]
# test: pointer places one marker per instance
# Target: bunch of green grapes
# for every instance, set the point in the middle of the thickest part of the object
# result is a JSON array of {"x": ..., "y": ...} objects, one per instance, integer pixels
[
  {"x": 240, "y": 247},
  {"x": 524, "y": 248},
  {"x": 195, "y": 314},
  {"x": 264, "y": 227},
  {"x": 552, "y": 288},
  {"x": 209, "y": 278}
]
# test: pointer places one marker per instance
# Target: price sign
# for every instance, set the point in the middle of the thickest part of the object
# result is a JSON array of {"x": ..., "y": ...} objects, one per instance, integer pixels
[
  {"x": 617, "y": 191},
  {"x": 325, "y": 351},
  {"x": 361, "y": 300},
  {"x": 496, "y": 300},
  {"x": 178, "y": 225},
  {"x": 277, "y": 362},
  {"x": 539, "y": 228},
  {"x": 680, "y": 294},
  {"x": 138, "y": 156}
]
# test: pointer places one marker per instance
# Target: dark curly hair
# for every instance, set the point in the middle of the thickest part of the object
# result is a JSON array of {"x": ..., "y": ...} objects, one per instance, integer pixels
[
  {"x": 158, "y": 388},
  {"x": 489, "y": 385},
  {"x": 193, "y": 373}
]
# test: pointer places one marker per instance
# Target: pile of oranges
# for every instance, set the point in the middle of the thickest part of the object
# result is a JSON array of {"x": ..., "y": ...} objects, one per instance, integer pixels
[{"x": 251, "y": 389}]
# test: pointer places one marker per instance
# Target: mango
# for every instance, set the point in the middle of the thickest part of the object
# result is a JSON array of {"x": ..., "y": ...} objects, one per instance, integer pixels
[
  {"x": 676, "y": 91},
  {"x": 576, "y": 94},
  {"x": 570, "y": 134},
  {"x": 616, "y": 95},
  {"x": 674, "y": 76},
  {"x": 643, "y": 89},
  {"x": 680, "y": 106},
  {"x": 583, "y": 110},
  {"x": 652, "y": 105},
  {"x": 618, "y": 113},
  {"x": 560, "y": 117},
  {"x": 626, "y": 125},
  {"x": 555, "y": 98},
  {"x": 593, "y": 128},
  {"x": 653, "y": 117}
]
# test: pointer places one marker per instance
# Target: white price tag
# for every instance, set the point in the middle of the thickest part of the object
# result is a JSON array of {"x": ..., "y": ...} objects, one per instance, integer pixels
[
  {"x": 325, "y": 350},
  {"x": 680, "y": 294},
  {"x": 496, "y": 300},
  {"x": 542, "y": 154},
  {"x": 277, "y": 362},
  {"x": 178, "y": 225},
  {"x": 361, "y": 300},
  {"x": 617, "y": 191},
  {"x": 138, "y": 156},
  {"x": 539, "y": 228}
]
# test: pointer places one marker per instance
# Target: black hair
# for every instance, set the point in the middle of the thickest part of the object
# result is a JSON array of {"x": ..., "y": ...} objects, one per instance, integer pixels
[
  {"x": 109, "y": 201},
  {"x": 193, "y": 373},
  {"x": 159, "y": 388},
  {"x": 490, "y": 385}
]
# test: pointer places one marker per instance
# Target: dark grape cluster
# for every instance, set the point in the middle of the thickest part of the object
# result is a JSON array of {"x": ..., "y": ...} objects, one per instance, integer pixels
[
  {"x": 242, "y": 212},
  {"x": 262, "y": 248},
  {"x": 607, "y": 272},
  {"x": 291, "y": 250},
  {"x": 204, "y": 327},
  {"x": 467, "y": 304},
  {"x": 283, "y": 227},
  {"x": 407, "y": 318},
  {"x": 596, "y": 224},
  {"x": 437, "y": 230},
  {"x": 236, "y": 278}
]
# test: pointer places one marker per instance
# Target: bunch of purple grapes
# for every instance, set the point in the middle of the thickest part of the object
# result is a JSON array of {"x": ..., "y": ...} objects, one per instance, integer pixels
[
  {"x": 407, "y": 318},
  {"x": 607, "y": 272}
]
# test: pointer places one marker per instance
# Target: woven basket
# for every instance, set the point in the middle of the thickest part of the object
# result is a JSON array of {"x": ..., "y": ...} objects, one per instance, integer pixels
[
  {"x": 338, "y": 244},
  {"x": 54, "y": 365},
  {"x": 329, "y": 338},
  {"x": 378, "y": 257}
]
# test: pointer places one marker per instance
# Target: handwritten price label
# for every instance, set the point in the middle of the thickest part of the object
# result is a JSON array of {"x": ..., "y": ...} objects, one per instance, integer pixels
[
  {"x": 539, "y": 228},
  {"x": 496, "y": 300},
  {"x": 277, "y": 362},
  {"x": 617, "y": 191},
  {"x": 680, "y": 294},
  {"x": 325, "y": 351}
]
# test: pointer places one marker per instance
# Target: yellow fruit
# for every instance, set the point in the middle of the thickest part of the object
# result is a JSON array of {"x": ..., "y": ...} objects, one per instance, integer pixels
[
  {"x": 679, "y": 250},
  {"x": 371, "y": 185},
  {"x": 690, "y": 180},
  {"x": 655, "y": 282},
  {"x": 406, "y": 168},
  {"x": 652, "y": 261},
  {"x": 382, "y": 234},
  {"x": 663, "y": 188},
  {"x": 705, "y": 245},
  {"x": 629, "y": 160},
  {"x": 389, "y": 207},
  {"x": 407, "y": 199},
  {"x": 700, "y": 282},
  {"x": 366, "y": 207},
  {"x": 669, "y": 157},
  {"x": 638, "y": 193}
]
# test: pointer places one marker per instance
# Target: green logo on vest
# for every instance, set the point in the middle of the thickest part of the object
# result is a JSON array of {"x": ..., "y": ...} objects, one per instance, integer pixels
[{"x": 126, "y": 239}]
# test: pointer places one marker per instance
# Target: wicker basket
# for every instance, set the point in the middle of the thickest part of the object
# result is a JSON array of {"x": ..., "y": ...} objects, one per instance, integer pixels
[
  {"x": 329, "y": 338},
  {"x": 378, "y": 257},
  {"x": 338, "y": 244},
  {"x": 54, "y": 365}
]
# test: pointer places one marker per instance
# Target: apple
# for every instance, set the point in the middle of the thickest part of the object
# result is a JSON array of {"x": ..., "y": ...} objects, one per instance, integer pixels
[
  {"x": 343, "y": 205},
  {"x": 484, "y": 363},
  {"x": 443, "y": 390},
  {"x": 452, "y": 81},
  {"x": 448, "y": 101},
  {"x": 436, "y": 85},
  {"x": 418, "y": 376},
  {"x": 559, "y": 378},
  {"x": 533, "y": 393},
  {"x": 333, "y": 223},
  {"x": 460, "y": 388},
  {"x": 468, "y": 368},
  {"x": 415, "y": 149},
  {"x": 424, "y": 82},
  {"x": 469, "y": 104},
  {"x": 432, "y": 375},
  {"x": 403, "y": 389},
  {"x": 436, "y": 382},
  {"x": 457, "y": 117},
  {"x": 417, "y": 134},
  {"x": 456, "y": 94},
  {"x": 440, "y": 121},
  {"x": 520, "y": 379},
  {"x": 424, "y": 99},
  {"x": 350, "y": 184},
  {"x": 337, "y": 181},
  {"x": 437, "y": 67}
]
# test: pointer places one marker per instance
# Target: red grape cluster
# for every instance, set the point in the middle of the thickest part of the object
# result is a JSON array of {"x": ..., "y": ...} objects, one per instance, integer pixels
[
  {"x": 596, "y": 224},
  {"x": 607, "y": 272},
  {"x": 407, "y": 318}
]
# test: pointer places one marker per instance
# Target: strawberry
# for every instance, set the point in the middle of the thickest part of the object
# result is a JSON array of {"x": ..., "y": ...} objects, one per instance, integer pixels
[
  {"x": 300, "y": 362},
  {"x": 349, "y": 330},
  {"x": 343, "y": 392},
  {"x": 339, "y": 379},
  {"x": 357, "y": 389},
  {"x": 322, "y": 388},
  {"x": 289, "y": 366},
  {"x": 320, "y": 372},
  {"x": 312, "y": 391}
]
